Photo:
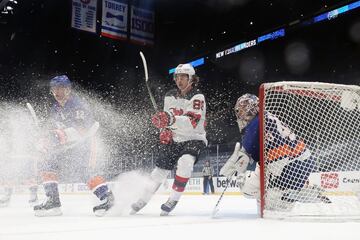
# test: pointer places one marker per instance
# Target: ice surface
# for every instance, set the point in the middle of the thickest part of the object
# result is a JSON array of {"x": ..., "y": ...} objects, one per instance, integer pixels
[{"x": 237, "y": 219}]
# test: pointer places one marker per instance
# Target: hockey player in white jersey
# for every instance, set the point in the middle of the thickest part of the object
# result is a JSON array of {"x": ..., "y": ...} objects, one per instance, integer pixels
[
  {"x": 182, "y": 137},
  {"x": 289, "y": 169}
]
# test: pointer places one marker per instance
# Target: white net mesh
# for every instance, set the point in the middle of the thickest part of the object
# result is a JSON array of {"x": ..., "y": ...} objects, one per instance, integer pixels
[{"x": 311, "y": 156}]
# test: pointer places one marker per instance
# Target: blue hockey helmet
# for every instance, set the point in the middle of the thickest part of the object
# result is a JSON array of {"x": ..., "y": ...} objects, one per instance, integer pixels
[{"x": 61, "y": 80}]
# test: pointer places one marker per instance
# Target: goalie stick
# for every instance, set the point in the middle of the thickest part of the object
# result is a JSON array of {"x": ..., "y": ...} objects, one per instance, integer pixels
[
  {"x": 147, "y": 82},
  {"x": 216, "y": 208}
]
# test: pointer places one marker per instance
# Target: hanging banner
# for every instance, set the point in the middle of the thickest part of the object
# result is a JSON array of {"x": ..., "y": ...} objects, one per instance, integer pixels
[
  {"x": 114, "y": 19},
  {"x": 142, "y": 26},
  {"x": 84, "y": 15}
]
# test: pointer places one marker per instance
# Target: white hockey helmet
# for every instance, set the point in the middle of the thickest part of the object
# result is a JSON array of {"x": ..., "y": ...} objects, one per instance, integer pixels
[
  {"x": 246, "y": 108},
  {"x": 185, "y": 69}
]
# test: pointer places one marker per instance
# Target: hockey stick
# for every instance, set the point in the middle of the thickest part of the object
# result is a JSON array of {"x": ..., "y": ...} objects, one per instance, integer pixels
[
  {"x": 216, "y": 209},
  {"x": 33, "y": 114},
  {"x": 147, "y": 82}
]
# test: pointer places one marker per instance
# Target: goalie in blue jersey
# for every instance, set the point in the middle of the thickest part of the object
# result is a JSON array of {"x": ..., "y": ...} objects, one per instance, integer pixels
[
  {"x": 69, "y": 153},
  {"x": 288, "y": 160}
]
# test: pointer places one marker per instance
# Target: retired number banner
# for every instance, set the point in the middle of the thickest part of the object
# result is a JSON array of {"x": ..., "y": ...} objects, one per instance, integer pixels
[
  {"x": 84, "y": 15},
  {"x": 142, "y": 26},
  {"x": 114, "y": 19}
]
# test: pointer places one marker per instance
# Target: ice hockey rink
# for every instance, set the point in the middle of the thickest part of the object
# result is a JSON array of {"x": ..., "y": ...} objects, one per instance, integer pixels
[{"x": 236, "y": 219}]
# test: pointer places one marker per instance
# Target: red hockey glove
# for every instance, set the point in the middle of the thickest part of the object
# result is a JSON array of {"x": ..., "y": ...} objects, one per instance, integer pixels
[
  {"x": 162, "y": 119},
  {"x": 166, "y": 136}
]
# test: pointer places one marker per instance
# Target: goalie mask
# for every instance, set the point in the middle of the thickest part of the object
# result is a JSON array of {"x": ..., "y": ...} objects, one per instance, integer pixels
[{"x": 246, "y": 108}]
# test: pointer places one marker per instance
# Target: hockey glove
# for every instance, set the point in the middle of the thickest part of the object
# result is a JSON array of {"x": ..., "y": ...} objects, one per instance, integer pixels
[
  {"x": 162, "y": 119},
  {"x": 58, "y": 137},
  {"x": 237, "y": 163},
  {"x": 166, "y": 136}
]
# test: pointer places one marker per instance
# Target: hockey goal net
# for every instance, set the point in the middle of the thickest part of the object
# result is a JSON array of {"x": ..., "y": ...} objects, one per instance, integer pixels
[{"x": 325, "y": 118}]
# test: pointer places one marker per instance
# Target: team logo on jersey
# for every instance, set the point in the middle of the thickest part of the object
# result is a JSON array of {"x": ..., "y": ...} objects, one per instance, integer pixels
[{"x": 177, "y": 112}]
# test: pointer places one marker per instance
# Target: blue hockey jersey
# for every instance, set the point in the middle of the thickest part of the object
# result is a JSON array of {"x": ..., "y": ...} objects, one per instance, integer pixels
[
  {"x": 280, "y": 141},
  {"x": 75, "y": 113}
]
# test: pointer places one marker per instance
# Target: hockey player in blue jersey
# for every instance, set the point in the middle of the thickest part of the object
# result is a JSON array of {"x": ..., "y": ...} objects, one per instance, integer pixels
[
  {"x": 289, "y": 161},
  {"x": 182, "y": 137},
  {"x": 69, "y": 120}
]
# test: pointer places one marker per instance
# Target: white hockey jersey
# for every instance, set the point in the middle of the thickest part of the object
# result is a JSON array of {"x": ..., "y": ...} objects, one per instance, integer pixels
[{"x": 189, "y": 112}]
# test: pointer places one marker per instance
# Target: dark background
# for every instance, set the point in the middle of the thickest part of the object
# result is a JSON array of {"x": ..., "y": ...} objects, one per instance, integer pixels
[{"x": 37, "y": 43}]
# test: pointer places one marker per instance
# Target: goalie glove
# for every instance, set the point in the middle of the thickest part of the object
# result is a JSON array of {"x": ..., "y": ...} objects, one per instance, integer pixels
[
  {"x": 237, "y": 163},
  {"x": 162, "y": 119}
]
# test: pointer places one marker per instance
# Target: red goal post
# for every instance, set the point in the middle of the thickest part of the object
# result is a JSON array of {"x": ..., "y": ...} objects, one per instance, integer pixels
[{"x": 326, "y": 117}]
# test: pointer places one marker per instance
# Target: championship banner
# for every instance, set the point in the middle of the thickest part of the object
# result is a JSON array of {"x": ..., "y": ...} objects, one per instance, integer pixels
[
  {"x": 114, "y": 19},
  {"x": 84, "y": 15},
  {"x": 142, "y": 26}
]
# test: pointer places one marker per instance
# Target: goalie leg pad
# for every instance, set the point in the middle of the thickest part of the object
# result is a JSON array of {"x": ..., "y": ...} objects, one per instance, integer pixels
[
  {"x": 250, "y": 183},
  {"x": 308, "y": 194}
]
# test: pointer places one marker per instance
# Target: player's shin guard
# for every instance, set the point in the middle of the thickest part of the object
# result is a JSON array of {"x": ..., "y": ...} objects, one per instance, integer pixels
[
  {"x": 51, "y": 205},
  {"x": 102, "y": 192},
  {"x": 158, "y": 176}
]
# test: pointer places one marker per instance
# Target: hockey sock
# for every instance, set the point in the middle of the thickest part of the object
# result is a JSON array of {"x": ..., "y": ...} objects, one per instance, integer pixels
[
  {"x": 50, "y": 182},
  {"x": 51, "y": 190},
  {"x": 178, "y": 187},
  {"x": 98, "y": 186}
]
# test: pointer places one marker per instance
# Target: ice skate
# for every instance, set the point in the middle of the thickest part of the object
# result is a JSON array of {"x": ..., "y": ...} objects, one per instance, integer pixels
[
  {"x": 168, "y": 207},
  {"x": 135, "y": 207},
  {"x": 107, "y": 203},
  {"x": 50, "y": 207},
  {"x": 5, "y": 200}
]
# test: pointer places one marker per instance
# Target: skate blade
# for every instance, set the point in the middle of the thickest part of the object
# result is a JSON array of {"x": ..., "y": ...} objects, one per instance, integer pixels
[
  {"x": 164, "y": 213},
  {"x": 33, "y": 203},
  {"x": 133, "y": 212},
  {"x": 100, "y": 212},
  {"x": 48, "y": 213}
]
